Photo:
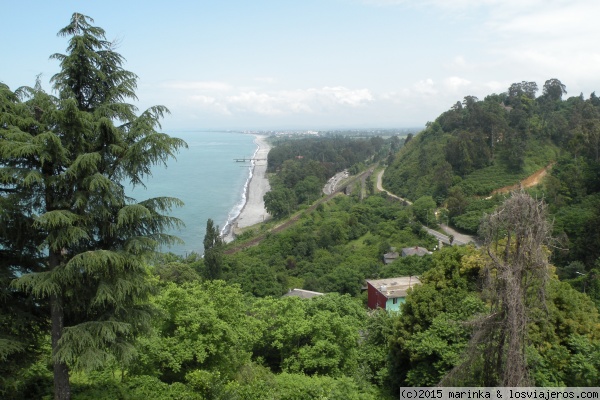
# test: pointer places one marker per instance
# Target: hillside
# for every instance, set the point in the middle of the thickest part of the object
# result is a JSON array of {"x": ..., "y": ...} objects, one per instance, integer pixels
[{"x": 472, "y": 155}]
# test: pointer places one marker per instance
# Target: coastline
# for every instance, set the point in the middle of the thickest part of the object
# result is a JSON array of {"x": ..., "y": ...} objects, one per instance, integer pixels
[{"x": 253, "y": 211}]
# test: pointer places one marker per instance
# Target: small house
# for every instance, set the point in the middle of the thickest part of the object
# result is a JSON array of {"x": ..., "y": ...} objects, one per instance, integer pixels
[
  {"x": 389, "y": 293},
  {"x": 390, "y": 257},
  {"x": 415, "y": 251}
]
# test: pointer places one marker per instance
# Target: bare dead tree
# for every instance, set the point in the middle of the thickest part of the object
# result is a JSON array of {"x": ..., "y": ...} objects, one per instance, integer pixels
[{"x": 514, "y": 283}]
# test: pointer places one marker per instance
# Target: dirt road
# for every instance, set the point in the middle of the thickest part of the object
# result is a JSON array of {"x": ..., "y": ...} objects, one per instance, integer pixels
[
  {"x": 532, "y": 180},
  {"x": 381, "y": 189}
]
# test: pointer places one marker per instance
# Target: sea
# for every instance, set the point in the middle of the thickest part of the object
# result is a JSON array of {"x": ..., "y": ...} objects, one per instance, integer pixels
[{"x": 206, "y": 177}]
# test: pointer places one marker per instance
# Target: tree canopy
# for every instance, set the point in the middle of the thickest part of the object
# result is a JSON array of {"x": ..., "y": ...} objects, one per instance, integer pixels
[{"x": 83, "y": 244}]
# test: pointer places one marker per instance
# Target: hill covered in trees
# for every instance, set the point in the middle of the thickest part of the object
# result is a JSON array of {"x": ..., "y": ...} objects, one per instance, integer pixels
[{"x": 480, "y": 146}]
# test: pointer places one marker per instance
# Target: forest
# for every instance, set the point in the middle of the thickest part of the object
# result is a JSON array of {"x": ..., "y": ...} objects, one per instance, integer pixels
[
  {"x": 91, "y": 309},
  {"x": 303, "y": 166},
  {"x": 471, "y": 152}
]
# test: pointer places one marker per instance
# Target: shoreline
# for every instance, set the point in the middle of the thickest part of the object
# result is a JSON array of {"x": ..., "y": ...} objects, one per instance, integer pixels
[{"x": 253, "y": 211}]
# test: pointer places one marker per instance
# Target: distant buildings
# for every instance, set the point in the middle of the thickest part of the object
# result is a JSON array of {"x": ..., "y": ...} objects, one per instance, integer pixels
[
  {"x": 393, "y": 255},
  {"x": 415, "y": 251},
  {"x": 389, "y": 293},
  {"x": 390, "y": 257}
]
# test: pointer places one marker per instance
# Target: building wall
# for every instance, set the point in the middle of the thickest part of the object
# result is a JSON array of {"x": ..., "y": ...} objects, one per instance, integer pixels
[
  {"x": 374, "y": 298},
  {"x": 390, "y": 306}
]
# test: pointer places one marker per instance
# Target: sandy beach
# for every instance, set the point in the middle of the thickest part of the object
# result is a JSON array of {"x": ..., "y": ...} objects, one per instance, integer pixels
[{"x": 254, "y": 210}]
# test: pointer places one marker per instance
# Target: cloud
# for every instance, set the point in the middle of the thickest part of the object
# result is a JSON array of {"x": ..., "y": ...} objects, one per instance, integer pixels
[
  {"x": 459, "y": 61},
  {"x": 209, "y": 103},
  {"x": 226, "y": 99},
  {"x": 344, "y": 96},
  {"x": 425, "y": 87},
  {"x": 508, "y": 41},
  {"x": 455, "y": 83},
  {"x": 556, "y": 39},
  {"x": 260, "y": 103},
  {"x": 299, "y": 101}
]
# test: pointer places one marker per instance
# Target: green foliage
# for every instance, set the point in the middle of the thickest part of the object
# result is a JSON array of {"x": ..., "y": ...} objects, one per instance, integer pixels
[
  {"x": 332, "y": 154},
  {"x": 579, "y": 223},
  {"x": 319, "y": 336},
  {"x": 424, "y": 208},
  {"x": 83, "y": 244},
  {"x": 470, "y": 219},
  {"x": 288, "y": 386},
  {"x": 133, "y": 388},
  {"x": 31, "y": 382},
  {"x": 332, "y": 250},
  {"x": 280, "y": 202},
  {"x": 304, "y": 165},
  {"x": 407, "y": 266},
  {"x": 374, "y": 349},
  {"x": 177, "y": 272},
  {"x": 565, "y": 340},
  {"x": 209, "y": 332},
  {"x": 202, "y": 326},
  {"x": 73, "y": 243},
  {"x": 213, "y": 251},
  {"x": 430, "y": 335},
  {"x": 308, "y": 189},
  {"x": 439, "y": 348},
  {"x": 411, "y": 174},
  {"x": 479, "y": 146}
]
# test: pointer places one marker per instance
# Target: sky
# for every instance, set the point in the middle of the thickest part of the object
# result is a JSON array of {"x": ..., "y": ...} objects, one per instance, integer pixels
[{"x": 316, "y": 64}]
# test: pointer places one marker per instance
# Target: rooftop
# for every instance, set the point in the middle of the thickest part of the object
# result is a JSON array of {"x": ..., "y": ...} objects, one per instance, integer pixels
[
  {"x": 394, "y": 287},
  {"x": 390, "y": 257},
  {"x": 415, "y": 251},
  {"x": 303, "y": 294}
]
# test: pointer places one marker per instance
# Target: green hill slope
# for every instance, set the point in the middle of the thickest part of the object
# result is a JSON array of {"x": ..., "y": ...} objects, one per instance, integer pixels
[{"x": 479, "y": 146}]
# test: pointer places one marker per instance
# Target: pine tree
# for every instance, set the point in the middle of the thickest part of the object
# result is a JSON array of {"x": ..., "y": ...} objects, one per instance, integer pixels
[
  {"x": 67, "y": 158},
  {"x": 213, "y": 251},
  {"x": 21, "y": 320}
]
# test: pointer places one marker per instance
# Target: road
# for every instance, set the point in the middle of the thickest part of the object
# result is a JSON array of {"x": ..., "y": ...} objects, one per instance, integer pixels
[
  {"x": 381, "y": 189},
  {"x": 334, "y": 181},
  {"x": 459, "y": 238}
]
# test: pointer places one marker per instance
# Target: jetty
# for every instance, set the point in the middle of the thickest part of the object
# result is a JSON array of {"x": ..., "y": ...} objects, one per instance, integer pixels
[{"x": 248, "y": 159}]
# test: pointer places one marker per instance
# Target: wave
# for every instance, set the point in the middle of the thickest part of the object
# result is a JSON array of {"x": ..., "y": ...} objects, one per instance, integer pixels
[{"x": 239, "y": 207}]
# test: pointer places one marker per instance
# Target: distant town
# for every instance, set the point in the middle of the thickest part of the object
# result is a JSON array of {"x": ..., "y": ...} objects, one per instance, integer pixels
[{"x": 383, "y": 132}]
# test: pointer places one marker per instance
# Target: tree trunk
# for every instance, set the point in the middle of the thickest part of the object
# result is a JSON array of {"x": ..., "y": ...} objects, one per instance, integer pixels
[{"x": 62, "y": 387}]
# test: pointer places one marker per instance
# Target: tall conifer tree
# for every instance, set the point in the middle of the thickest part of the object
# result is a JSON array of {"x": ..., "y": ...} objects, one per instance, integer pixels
[
  {"x": 213, "y": 251},
  {"x": 65, "y": 160},
  {"x": 22, "y": 321}
]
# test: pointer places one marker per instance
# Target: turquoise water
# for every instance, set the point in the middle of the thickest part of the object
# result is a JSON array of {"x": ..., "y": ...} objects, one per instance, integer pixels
[{"x": 207, "y": 179}]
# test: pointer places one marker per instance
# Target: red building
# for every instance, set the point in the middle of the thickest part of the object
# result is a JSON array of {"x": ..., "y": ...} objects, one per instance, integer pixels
[{"x": 389, "y": 293}]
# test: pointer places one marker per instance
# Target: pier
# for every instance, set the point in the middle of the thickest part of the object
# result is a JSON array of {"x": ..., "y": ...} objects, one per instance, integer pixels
[{"x": 248, "y": 159}]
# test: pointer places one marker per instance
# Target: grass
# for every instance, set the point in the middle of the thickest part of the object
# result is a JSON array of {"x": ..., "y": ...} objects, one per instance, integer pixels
[{"x": 482, "y": 182}]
